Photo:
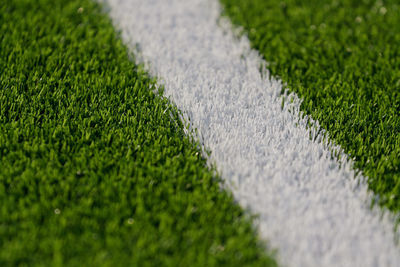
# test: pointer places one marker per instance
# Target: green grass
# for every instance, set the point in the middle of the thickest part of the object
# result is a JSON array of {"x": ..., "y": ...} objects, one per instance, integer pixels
[
  {"x": 95, "y": 169},
  {"x": 343, "y": 59}
]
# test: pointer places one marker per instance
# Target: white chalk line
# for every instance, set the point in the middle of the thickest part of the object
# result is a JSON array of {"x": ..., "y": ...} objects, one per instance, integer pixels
[{"x": 314, "y": 212}]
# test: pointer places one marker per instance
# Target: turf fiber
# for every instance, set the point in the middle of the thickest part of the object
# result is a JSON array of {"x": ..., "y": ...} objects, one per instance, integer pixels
[
  {"x": 95, "y": 167},
  {"x": 343, "y": 59}
]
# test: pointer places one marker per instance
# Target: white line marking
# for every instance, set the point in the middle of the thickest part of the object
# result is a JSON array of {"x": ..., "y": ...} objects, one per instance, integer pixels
[{"x": 310, "y": 209}]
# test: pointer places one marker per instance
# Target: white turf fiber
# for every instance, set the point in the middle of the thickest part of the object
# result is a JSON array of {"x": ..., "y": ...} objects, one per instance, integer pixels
[{"x": 314, "y": 212}]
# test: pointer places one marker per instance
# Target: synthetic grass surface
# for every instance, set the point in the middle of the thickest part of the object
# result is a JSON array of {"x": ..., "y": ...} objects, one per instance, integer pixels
[
  {"x": 95, "y": 167},
  {"x": 343, "y": 59}
]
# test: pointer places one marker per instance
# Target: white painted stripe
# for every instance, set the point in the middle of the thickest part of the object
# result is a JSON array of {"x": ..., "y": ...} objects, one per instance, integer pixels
[{"x": 310, "y": 209}]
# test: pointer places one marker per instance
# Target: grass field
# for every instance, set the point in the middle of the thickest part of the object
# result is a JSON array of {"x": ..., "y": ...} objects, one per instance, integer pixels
[
  {"x": 95, "y": 167},
  {"x": 343, "y": 59}
]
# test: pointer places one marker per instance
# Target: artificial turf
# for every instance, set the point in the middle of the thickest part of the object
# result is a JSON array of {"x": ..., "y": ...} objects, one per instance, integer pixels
[
  {"x": 95, "y": 168},
  {"x": 343, "y": 59}
]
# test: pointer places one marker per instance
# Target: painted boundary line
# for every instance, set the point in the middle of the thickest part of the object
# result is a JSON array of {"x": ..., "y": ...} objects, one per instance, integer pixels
[{"x": 314, "y": 212}]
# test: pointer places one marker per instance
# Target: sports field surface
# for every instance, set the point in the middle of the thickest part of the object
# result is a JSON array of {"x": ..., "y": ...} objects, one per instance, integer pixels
[{"x": 199, "y": 133}]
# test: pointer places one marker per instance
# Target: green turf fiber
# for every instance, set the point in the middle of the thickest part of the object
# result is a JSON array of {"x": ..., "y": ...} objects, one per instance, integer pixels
[
  {"x": 95, "y": 169},
  {"x": 343, "y": 59}
]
